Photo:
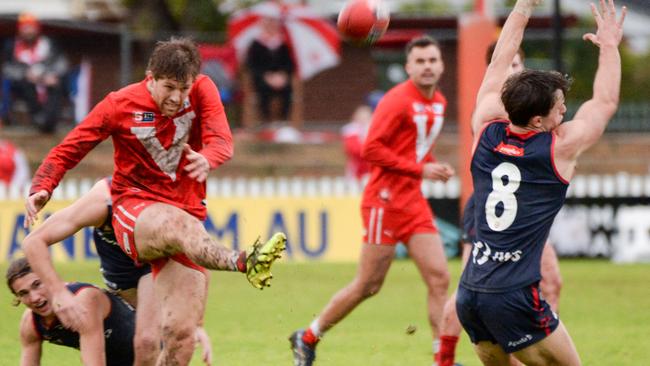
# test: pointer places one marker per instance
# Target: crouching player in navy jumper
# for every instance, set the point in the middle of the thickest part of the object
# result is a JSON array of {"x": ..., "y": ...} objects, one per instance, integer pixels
[
  {"x": 123, "y": 276},
  {"x": 522, "y": 163},
  {"x": 106, "y": 339}
]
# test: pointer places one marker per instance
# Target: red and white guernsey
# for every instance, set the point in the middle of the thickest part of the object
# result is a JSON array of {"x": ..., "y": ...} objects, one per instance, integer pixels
[
  {"x": 148, "y": 158},
  {"x": 403, "y": 130}
]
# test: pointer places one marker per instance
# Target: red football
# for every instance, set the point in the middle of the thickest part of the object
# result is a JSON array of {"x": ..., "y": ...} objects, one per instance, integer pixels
[{"x": 363, "y": 20}]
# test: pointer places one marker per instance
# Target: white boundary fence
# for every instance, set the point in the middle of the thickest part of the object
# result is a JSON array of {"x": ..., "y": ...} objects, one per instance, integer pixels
[{"x": 582, "y": 186}]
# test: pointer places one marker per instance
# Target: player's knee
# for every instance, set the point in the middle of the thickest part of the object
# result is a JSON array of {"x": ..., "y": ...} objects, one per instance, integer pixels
[
  {"x": 146, "y": 343},
  {"x": 439, "y": 282},
  {"x": 551, "y": 285},
  {"x": 370, "y": 288}
]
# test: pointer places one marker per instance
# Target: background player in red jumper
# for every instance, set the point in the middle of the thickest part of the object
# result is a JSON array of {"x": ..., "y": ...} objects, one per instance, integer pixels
[
  {"x": 398, "y": 147},
  {"x": 168, "y": 131}
]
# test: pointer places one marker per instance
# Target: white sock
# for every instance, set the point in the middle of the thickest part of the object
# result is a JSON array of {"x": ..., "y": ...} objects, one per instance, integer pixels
[
  {"x": 315, "y": 328},
  {"x": 436, "y": 346}
]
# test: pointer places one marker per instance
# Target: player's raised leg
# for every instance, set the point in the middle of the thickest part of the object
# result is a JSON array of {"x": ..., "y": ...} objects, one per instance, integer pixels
[
  {"x": 181, "y": 310},
  {"x": 162, "y": 230}
]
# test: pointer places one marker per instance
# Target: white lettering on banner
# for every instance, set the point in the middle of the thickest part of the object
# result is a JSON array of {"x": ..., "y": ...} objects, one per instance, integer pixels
[
  {"x": 166, "y": 159},
  {"x": 486, "y": 254},
  {"x": 633, "y": 241},
  {"x": 584, "y": 230}
]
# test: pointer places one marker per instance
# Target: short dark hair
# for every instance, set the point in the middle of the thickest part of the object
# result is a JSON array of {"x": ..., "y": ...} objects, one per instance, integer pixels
[
  {"x": 490, "y": 52},
  {"x": 17, "y": 268},
  {"x": 421, "y": 42},
  {"x": 531, "y": 93},
  {"x": 177, "y": 58}
]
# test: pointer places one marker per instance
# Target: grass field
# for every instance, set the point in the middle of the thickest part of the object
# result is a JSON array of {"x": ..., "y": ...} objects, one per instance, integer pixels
[{"x": 606, "y": 308}]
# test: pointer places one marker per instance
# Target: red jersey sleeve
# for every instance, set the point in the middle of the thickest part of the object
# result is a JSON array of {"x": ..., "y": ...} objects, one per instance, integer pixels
[
  {"x": 216, "y": 135},
  {"x": 386, "y": 121},
  {"x": 66, "y": 155}
]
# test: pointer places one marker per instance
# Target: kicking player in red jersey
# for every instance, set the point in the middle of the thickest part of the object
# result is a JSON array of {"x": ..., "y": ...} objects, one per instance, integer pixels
[
  {"x": 402, "y": 133},
  {"x": 168, "y": 131},
  {"x": 524, "y": 157}
]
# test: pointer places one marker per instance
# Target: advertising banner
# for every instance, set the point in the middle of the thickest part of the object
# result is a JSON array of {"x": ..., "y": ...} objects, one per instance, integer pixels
[{"x": 317, "y": 228}]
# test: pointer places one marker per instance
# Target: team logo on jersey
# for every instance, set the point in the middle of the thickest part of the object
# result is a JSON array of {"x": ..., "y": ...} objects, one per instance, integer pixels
[
  {"x": 144, "y": 116},
  {"x": 511, "y": 150},
  {"x": 437, "y": 108},
  {"x": 419, "y": 107}
]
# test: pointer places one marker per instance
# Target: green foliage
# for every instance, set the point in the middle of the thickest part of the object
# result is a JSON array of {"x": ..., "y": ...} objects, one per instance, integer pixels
[
  {"x": 425, "y": 7},
  {"x": 602, "y": 304}
]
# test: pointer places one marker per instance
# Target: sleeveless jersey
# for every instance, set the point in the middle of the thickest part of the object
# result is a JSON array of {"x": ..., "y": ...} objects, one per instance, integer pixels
[
  {"x": 517, "y": 193},
  {"x": 119, "y": 329}
]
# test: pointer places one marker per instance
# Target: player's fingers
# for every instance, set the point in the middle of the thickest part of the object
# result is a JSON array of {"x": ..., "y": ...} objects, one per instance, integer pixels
[
  {"x": 623, "y": 14},
  {"x": 594, "y": 12},
  {"x": 187, "y": 149},
  {"x": 591, "y": 38},
  {"x": 192, "y": 166},
  {"x": 612, "y": 9},
  {"x": 603, "y": 8}
]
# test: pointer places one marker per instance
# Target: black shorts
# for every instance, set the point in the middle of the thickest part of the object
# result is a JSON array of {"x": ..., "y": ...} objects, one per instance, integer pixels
[
  {"x": 514, "y": 319},
  {"x": 119, "y": 271}
]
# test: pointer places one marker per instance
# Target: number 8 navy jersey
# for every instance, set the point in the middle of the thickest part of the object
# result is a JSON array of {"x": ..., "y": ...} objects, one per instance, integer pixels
[{"x": 518, "y": 192}]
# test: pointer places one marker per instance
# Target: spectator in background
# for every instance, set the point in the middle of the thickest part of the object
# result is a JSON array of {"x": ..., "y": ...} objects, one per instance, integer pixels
[
  {"x": 271, "y": 67},
  {"x": 34, "y": 70},
  {"x": 14, "y": 170},
  {"x": 354, "y": 134}
]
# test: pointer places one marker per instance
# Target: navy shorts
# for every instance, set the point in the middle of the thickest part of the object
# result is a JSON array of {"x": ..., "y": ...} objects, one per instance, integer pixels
[
  {"x": 514, "y": 319},
  {"x": 119, "y": 271}
]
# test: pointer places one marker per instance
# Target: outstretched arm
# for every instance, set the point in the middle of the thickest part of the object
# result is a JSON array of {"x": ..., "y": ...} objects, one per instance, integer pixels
[
  {"x": 89, "y": 210},
  {"x": 30, "y": 342},
  {"x": 488, "y": 100},
  {"x": 91, "y": 332},
  {"x": 592, "y": 117}
]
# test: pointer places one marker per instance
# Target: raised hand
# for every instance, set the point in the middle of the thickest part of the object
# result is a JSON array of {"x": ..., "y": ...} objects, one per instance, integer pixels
[
  {"x": 33, "y": 206},
  {"x": 198, "y": 168},
  {"x": 609, "y": 30}
]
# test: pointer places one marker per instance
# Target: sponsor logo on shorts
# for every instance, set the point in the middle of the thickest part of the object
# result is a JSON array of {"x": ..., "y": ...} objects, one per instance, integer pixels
[{"x": 525, "y": 339}]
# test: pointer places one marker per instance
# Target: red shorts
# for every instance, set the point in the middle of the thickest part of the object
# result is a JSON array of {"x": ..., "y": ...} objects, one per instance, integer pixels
[
  {"x": 125, "y": 212},
  {"x": 383, "y": 225}
]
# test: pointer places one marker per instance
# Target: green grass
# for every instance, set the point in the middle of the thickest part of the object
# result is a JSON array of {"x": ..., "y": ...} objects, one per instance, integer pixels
[{"x": 604, "y": 306}]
